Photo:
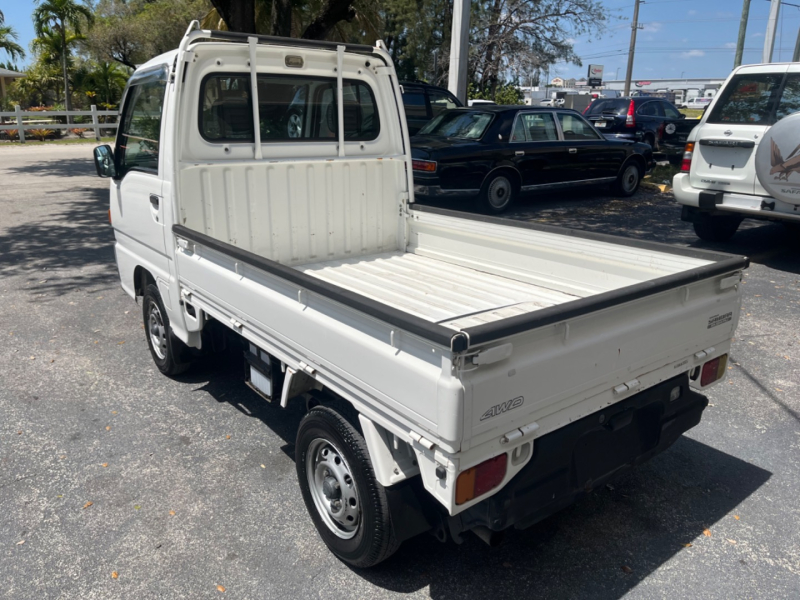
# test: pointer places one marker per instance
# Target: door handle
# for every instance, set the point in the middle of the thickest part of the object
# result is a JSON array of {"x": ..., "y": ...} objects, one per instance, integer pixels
[
  {"x": 519, "y": 153},
  {"x": 155, "y": 203},
  {"x": 573, "y": 150}
]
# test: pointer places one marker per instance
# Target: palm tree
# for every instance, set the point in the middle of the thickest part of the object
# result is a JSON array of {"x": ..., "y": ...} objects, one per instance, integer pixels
[
  {"x": 8, "y": 39},
  {"x": 59, "y": 15}
]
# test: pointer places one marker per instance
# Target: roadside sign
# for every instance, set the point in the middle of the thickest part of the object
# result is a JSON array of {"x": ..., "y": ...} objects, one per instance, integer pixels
[{"x": 595, "y": 76}]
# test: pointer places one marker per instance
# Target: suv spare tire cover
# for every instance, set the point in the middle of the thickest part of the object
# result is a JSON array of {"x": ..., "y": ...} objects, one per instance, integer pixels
[{"x": 778, "y": 160}]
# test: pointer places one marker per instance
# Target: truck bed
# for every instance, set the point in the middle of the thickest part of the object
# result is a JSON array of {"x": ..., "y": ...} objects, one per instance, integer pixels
[{"x": 441, "y": 292}]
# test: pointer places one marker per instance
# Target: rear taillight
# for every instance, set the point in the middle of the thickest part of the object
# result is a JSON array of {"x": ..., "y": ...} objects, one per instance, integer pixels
[
  {"x": 713, "y": 370},
  {"x": 586, "y": 110},
  {"x": 688, "y": 151},
  {"x": 428, "y": 166},
  {"x": 480, "y": 479},
  {"x": 109, "y": 216},
  {"x": 630, "y": 118}
]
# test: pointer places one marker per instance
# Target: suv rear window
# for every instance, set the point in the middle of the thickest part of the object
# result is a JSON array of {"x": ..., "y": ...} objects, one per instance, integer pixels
[
  {"x": 618, "y": 106},
  {"x": 290, "y": 108},
  {"x": 748, "y": 99}
]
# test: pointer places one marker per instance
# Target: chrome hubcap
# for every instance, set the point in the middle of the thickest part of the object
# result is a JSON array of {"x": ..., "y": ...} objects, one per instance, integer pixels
[
  {"x": 500, "y": 192},
  {"x": 295, "y": 126},
  {"x": 157, "y": 331},
  {"x": 333, "y": 488}
]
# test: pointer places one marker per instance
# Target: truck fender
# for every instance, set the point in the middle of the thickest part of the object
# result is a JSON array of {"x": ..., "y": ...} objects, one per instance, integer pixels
[{"x": 393, "y": 459}]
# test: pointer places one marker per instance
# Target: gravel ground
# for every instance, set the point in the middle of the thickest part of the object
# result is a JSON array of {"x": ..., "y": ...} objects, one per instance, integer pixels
[{"x": 186, "y": 487}]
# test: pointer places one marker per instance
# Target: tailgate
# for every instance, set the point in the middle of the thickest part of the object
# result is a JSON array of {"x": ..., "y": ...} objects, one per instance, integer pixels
[{"x": 562, "y": 371}]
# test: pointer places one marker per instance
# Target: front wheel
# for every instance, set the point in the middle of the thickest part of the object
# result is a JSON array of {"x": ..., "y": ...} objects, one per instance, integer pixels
[
  {"x": 497, "y": 194},
  {"x": 628, "y": 180},
  {"x": 347, "y": 504},
  {"x": 169, "y": 353}
]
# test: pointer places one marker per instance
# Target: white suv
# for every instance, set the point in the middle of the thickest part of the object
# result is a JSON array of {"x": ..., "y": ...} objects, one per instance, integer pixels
[{"x": 732, "y": 165}]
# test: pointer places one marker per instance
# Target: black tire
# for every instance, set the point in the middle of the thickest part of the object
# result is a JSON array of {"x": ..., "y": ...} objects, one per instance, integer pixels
[
  {"x": 676, "y": 160},
  {"x": 497, "y": 194},
  {"x": 628, "y": 179},
  {"x": 325, "y": 436},
  {"x": 169, "y": 353},
  {"x": 716, "y": 228}
]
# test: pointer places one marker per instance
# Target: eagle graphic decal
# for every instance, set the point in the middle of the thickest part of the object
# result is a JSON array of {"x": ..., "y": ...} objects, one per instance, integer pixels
[{"x": 780, "y": 167}]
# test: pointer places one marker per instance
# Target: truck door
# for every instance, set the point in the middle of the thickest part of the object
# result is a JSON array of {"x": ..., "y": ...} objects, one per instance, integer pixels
[{"x": 137, "y": 206}]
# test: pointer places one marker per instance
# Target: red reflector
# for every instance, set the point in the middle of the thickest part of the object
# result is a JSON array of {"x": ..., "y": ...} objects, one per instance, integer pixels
[
  {"x": 480, "y": 479},
  {"x": 710, "y": 370},
  {"x": 428, "y": 166}
]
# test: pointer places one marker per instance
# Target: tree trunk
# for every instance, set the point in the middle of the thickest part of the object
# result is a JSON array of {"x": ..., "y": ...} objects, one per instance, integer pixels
[
  {"x": 333, "y": 11},
  {"x": 67, "y": 102},
  {"x": 282, "y": 18},
  {"x": 239, "y": 15}
]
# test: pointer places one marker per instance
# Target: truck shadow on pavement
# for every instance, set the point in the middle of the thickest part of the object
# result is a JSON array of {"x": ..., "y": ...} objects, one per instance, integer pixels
[
  {"x": 70, "y": 247},
  {"x": 601, "y": 547}
]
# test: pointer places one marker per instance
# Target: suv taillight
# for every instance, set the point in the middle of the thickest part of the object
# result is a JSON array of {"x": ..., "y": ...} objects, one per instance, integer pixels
[
  {"x": 686, "y": 165},
  {"x": 630, "y": 119}
]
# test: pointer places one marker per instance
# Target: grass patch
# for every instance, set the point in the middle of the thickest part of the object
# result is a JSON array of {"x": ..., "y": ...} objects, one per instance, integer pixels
[
  {"x": 692, "y": 113},
  {"x": 104, "y": 140},
  {"x": 663, "y": 173}
]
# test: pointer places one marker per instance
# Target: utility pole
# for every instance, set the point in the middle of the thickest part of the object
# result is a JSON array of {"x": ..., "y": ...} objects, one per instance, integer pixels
[
  {"x": 742, "y": 31},
  {"x": 772, "y": 26},
  {"x": 635, "y": 25},
  {"x": 459, "y": 50},
  {"x": 796, "y": 55}
]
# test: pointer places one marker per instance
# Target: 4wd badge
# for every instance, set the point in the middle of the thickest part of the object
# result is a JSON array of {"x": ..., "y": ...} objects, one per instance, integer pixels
[{"x": 506, "y": 406}]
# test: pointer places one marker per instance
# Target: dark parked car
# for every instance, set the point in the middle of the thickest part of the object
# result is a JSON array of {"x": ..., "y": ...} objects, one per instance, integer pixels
[
  {"x": 493, "y": 153},
  {"x": 422, "y": 102},
  {"x": 650, "y": 120}
]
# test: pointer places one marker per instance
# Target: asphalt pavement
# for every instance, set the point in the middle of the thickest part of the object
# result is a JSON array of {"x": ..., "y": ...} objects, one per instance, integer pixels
[{"x": 117, "y": 482}]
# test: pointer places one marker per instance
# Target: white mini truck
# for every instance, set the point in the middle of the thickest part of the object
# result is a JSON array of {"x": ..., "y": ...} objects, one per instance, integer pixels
[{"x": 460, "y": 372}]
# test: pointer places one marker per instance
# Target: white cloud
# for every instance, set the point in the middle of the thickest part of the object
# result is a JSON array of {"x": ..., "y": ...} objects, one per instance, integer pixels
[
  {"x": 730, "y": 45},
  {"x": 571, "y": 40},
  {"x": 692, "y": 13},
  {"x": 652, "y": 27},
  {"x": 757, "y": 35},
  {"x": 693, "y": 54}
]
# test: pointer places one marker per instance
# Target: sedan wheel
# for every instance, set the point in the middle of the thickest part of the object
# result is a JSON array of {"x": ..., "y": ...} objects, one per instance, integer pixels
[
  {"x": 497, "y": 195},
  {"x": 628, "y": 181}
]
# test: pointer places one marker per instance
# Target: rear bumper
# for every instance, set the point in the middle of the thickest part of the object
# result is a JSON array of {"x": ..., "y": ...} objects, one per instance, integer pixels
[
  {"x": 572, "y": 461},
  {"x": 746, "y": 205}
]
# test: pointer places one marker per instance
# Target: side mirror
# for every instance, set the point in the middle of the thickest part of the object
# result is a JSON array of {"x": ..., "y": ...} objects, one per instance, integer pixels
[{"x": 104, "y": 161}]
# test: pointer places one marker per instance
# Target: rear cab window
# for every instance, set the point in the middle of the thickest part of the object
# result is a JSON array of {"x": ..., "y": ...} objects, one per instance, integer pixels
[
  {"x": 290, "y": 108},
  {"x": 414, "y": 103}
]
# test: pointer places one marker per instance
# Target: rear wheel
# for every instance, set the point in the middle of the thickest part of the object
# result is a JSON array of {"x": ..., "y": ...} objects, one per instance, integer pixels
[
  {"x": 347, "y": 504},
  {"x": 497, "y": 194},
  {"x": 169, "y": 353},
  {"x": 628, "y": 180},
  {"x": 716, "y": 228}
]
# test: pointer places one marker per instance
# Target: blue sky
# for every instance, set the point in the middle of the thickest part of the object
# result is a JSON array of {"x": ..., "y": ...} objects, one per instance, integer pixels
[
  {"x": 683, "y": 38},
  {"x": 689, "y": 38}
]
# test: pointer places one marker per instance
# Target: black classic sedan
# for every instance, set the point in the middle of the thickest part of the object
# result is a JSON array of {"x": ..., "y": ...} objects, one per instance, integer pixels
[{"x": 493, "y": 153}]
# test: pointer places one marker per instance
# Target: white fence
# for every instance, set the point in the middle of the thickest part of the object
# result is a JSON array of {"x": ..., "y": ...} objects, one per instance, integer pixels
[{"x": 43, "y": 118}]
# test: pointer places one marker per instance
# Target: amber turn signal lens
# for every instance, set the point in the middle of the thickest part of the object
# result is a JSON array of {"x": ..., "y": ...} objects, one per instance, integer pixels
[
  {"x": 714, "y": 370},
  {"x": 428, "y": 166},
  {"x": 480, "y": 479}
]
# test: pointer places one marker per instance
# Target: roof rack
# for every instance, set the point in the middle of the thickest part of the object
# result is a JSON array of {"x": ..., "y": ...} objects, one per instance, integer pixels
[{"x": 194, "y": 33}]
